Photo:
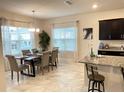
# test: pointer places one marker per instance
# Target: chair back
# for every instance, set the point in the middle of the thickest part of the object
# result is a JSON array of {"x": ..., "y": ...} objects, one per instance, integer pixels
[
  {"x": 45, "y": 58},
  {"x": 55, "y": 48},
  {"x": 57, "y": 51},
  {"x": 13, "y": 63},
  {"x": 26, "y": 52},
  {"x": 34, "y": 51},
  {"x": 91, "y": 70},
  {"x": 53, "y": 56}
]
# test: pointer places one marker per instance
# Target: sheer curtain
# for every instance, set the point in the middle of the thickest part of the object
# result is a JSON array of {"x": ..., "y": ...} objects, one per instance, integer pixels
[
  {"x": 15, "y": 37},
  {"x": 64, "y": 36}
]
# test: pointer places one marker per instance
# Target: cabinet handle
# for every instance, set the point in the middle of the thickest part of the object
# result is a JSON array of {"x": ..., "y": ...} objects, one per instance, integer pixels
[
  {"x": 103, "y": 52},
  {"x": 109, "y": 36},
  {"x": 121, "y": 36}
]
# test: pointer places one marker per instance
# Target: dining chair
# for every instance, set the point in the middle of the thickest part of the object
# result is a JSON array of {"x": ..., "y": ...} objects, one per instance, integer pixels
[
  {"x": 57, "y": 52},
  {"x": 26, "y": 52},
  {"x": 34, "y": 51},
  {"x": 15, "y": 67},
  {"x": 53, "y": 58},
  {"x": 45, "y": 61}
]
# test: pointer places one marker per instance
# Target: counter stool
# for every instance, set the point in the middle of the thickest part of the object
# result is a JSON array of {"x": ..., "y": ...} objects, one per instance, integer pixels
[
  {"x": 122, "y": 70},
  {"x": 94, "y": 78}
]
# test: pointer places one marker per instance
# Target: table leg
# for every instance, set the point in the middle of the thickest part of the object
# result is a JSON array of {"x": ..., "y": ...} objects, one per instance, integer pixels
[
  {"x": 21, "y": 63},
  {"x": 33, "y": 68}
]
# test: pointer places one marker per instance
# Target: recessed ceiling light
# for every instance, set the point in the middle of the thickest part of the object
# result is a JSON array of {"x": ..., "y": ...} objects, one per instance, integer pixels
[
  {"x": 68, "y": 2},
  {"x": 94, "y": 6}
]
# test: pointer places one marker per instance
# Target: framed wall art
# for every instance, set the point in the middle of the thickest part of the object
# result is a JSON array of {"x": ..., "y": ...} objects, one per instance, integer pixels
[{"x": 88, "y": 33}]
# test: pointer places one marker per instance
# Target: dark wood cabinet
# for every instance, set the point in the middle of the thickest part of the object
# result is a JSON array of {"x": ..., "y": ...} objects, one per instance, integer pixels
[
  {"x": 111, "y": 53},
  {"x": 104, "y": 34},
  {"x": 111, "y": 29}
]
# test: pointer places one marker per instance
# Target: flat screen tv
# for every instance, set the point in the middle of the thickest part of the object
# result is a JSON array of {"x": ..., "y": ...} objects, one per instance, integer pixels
[{"x": 112, "y": 29}]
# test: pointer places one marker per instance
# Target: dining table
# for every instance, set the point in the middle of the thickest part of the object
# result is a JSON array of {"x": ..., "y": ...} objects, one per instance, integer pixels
[{"x": 32, "y": 59}]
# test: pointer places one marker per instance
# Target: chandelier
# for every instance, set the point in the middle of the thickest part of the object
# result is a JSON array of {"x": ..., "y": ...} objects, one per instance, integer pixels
[{"x": 34, "y": 29}]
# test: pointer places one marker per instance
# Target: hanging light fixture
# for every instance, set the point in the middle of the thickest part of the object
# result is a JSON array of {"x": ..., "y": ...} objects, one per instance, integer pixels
[{"x": 34, "y": 29}]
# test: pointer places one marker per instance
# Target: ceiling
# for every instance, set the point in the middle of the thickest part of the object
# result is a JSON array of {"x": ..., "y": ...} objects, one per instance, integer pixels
[{"x": 57, "y": 8}]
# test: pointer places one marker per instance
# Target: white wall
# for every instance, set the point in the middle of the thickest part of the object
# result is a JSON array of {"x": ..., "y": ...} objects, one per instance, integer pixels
[
  {"x": 18, "y": 17},
  {"x": 2, "y": 70},
  {"x": 85, "y": 21}
]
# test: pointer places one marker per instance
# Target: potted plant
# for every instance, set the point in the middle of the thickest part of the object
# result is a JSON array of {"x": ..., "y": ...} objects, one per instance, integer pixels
[{"x": 44, "y": 40}]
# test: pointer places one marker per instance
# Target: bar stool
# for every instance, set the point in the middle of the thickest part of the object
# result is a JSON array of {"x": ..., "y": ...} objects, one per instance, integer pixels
[
  {"x": 94, "y": 78},
  {"x": 122, "y": 70}
]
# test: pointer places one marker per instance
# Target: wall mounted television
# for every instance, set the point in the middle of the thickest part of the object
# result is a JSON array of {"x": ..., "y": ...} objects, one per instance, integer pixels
[{"x": 111, "y": 29}]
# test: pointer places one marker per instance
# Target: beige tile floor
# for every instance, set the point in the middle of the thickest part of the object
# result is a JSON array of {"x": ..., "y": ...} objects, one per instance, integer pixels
[{"x": 68, "y": 77}]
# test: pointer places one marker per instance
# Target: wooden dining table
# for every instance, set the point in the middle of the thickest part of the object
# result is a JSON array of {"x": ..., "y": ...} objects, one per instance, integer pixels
[{"x": 32, "y": 60}]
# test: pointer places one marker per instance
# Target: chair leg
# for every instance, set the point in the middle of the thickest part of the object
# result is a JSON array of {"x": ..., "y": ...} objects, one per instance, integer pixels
[
  {"x": 18, "y": 76},
  {"x": 12, "y": 75},
  {"x": 56, "y": 64},
  {"x": 96, "y": 84},
  {"x": 48, "y": 68},
  {"x": 28, "y": 70},
  {"x": 99, "y": 86},
  {"x": 52, "y": 66},
  {"x": 30, "y": 67},
  {"x": 93, "y": 86},
  {"x": 42, "y": 70},
  {"x": 57, "y": 60},
  {"x": 89, "y": 85},
  {"x": 103, "y": 87}
]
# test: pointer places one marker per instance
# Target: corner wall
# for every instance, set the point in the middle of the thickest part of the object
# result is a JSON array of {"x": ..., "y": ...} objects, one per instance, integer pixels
[{"x": 85, "y": 21}]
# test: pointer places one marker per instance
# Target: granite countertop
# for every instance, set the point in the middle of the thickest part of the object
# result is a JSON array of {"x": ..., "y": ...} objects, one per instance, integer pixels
[
  {"x": 109, "y": 49},
  {"x": 112, "y": 48},
  {"x": 114, "y": 61}
]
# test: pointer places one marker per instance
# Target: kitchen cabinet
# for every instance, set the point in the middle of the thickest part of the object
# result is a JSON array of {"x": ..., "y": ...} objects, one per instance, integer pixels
[
  {"x": 111, "y": 53},
  {"x": 111, "y": 29}
]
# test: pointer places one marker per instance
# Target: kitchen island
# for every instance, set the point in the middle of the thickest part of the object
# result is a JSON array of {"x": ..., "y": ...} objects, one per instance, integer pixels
[{"x": 110, "y": 67}]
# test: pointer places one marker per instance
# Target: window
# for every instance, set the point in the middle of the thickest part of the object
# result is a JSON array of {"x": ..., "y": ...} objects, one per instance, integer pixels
[
  {"x": 16, "y": 39},
  {"x": 65, "y": 38}
]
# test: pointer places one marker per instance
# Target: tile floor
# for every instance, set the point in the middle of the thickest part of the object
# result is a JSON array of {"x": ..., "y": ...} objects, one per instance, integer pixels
[{"x": 68, "y": 77}]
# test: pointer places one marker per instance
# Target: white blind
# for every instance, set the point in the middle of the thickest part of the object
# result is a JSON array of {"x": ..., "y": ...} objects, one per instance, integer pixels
[
  {"x": 65, "y": 36},
  {"x": 16, "y": 36}
]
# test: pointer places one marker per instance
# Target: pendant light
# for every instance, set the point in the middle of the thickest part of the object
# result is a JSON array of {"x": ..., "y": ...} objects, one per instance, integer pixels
[{"x": 34, "y": 29}]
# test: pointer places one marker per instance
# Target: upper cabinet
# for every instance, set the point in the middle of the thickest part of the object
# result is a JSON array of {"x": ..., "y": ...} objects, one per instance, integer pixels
[{"x": 111, "y": 29}]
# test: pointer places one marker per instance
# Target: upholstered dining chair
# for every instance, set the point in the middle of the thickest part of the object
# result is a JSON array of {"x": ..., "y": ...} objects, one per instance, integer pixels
[
  {"x": 26, "y": 52},
  {"x": 57, "y": 52},
  {"x": 45, "y": 61},
  {"x": 34, "y": 51},
  {"x": 53, "y": 60},
  {"x": 15, "y": 67}
]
